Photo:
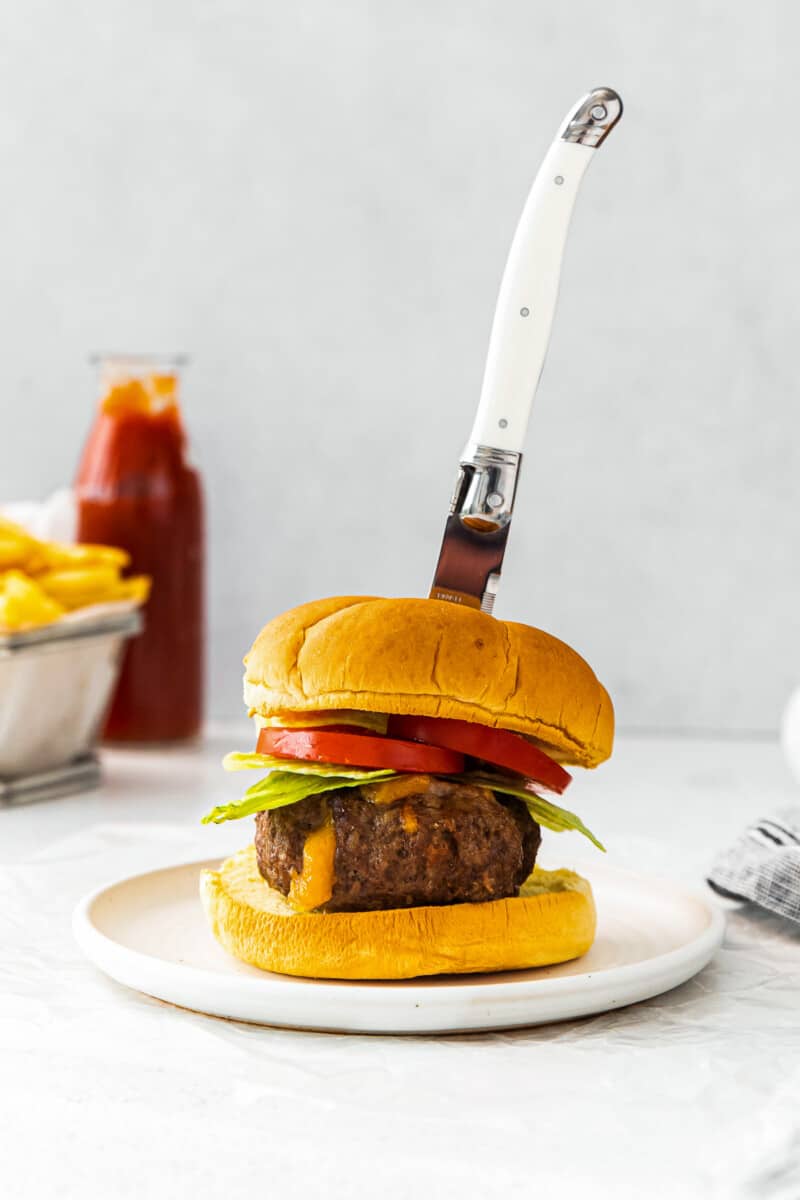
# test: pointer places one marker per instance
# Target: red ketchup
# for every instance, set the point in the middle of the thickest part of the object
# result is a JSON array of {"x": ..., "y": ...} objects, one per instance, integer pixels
[{"x": 136, "y": 489}]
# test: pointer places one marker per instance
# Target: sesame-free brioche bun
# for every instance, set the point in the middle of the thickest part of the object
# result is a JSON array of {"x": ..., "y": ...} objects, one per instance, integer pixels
[
  {"x": 431, "y": 658},
  {"x": 552, "y": 920}
]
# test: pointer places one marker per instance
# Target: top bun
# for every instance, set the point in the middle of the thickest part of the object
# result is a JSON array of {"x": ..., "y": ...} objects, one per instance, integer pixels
[{"x": 431, "y": 658}]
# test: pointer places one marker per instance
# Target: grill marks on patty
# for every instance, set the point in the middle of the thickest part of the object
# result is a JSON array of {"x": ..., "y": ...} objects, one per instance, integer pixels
[{"x": 434, "y": 842}]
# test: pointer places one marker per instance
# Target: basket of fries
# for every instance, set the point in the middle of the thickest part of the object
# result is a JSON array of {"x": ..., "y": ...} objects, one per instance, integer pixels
[{"x": 66, "y": 612}]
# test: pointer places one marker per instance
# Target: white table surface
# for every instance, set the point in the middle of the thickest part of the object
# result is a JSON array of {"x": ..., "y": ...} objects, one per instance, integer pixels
[{"x": 107, "y": 1093}]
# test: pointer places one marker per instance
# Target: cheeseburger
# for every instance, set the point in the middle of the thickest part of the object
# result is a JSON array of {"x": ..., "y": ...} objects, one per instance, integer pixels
[{"x": 409, "y": 755}]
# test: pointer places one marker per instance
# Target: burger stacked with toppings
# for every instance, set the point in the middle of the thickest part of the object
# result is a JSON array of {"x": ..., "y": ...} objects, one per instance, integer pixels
[{"x": 410, "y": 753}]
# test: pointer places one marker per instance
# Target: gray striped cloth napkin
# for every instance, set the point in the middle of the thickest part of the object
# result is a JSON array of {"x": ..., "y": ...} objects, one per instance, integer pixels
[{"x": 763, "y": 865}]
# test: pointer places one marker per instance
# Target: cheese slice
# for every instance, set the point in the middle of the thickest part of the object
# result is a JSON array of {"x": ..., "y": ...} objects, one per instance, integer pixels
[{"x": 374, "y": 722}]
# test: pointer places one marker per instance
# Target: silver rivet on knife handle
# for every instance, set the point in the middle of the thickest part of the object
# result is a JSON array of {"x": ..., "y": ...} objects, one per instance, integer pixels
[
  {"x": 593, "y": 119},
  {"x": 487, "y": 484}
]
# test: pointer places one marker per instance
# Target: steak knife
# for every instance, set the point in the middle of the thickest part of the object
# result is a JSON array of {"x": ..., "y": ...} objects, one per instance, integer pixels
[{"x": 476, "y": 531}]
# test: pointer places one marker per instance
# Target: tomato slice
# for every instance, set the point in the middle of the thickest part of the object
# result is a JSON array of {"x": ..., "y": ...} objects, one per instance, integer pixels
[
  {"x": 359, "y": 750},
  {"x": 510, "y": 751}
]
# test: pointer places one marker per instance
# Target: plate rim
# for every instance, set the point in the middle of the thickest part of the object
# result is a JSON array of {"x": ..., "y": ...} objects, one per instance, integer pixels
[{"x": 102, "y": 950}]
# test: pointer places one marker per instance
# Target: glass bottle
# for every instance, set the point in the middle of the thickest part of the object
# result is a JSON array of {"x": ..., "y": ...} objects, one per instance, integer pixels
[{"x": 136, "y": 488}]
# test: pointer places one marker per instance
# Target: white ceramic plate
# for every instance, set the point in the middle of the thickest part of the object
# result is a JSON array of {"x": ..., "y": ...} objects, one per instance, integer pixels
[{"x": 150, "y": 933}]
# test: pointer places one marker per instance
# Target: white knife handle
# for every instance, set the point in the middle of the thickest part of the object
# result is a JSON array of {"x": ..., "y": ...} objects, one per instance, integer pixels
[{"x": 528, "y": 293}]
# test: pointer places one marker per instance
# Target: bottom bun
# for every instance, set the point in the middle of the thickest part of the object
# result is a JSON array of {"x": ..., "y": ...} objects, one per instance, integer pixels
[{"x": 552, "y": 920}]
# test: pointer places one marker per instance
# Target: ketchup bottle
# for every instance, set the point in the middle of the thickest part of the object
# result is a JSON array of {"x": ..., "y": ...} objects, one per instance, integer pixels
[{"x": 136, "y": 489}]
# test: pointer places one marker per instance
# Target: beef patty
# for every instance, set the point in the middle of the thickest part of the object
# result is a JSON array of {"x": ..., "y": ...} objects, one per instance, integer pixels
[{"x": 427, "y": 841}]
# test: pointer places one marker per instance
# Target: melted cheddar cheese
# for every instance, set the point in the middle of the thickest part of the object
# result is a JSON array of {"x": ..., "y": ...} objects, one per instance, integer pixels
[
  {"x": 313, "y": 886},
  {"x": 395, "y": 789},
  {"x": 409, "y": 819}
]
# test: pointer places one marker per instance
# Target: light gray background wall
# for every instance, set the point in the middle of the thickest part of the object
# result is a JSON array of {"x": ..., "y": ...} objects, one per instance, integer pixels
[{"x": 316, "y": 200}]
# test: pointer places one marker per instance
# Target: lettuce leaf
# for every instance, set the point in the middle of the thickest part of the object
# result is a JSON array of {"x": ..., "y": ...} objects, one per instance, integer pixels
[
  {"x": 265, "y": 762},
  {"x": 544, "y": 812},
  {"x": 281, "y": 788},
  {"x": 291, "y": 780}
]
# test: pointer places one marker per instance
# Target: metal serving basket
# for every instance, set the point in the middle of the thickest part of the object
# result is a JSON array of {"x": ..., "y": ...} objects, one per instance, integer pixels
[{"x": 55, "y": 686}]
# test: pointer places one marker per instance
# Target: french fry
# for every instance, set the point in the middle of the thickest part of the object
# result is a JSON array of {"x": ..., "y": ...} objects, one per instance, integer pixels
[
  {"x": 24, "y": 604},
  {"x": 93, "y": 585},
  {"x": 40, "y": 581},
  {"x": 136, "y": 588},
  {"x": 16, "y": 545},
  {"x": 56, "y": 556},
  {"x": 72, "y": 587}
]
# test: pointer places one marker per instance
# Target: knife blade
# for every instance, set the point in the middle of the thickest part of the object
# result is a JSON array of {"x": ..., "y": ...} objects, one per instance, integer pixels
[{"x": 478, "y": 522}]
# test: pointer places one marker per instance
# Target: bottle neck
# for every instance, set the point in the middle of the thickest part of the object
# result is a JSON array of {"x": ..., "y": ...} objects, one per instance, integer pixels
[{"x": 138, "y": 434}]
